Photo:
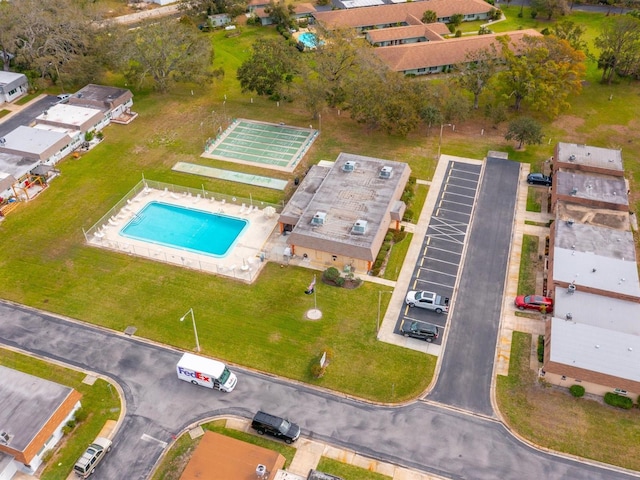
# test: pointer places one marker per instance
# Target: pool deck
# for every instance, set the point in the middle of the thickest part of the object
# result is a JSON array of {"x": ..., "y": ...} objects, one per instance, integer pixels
[{"x": 243, "y": 262}]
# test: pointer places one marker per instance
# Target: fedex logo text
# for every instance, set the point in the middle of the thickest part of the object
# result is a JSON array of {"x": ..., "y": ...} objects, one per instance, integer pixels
[{"x": 197, "y": 375}]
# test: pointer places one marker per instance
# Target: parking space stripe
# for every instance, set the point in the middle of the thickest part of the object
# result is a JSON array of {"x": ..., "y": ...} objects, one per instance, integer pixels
[
  {"x": 424, "y": 269},
  {"x": 457, "y": 264},
  {"x": 426, "y": 282},
  {"x": 444, "y": 250},
  {"x": 459, "y": 195}
]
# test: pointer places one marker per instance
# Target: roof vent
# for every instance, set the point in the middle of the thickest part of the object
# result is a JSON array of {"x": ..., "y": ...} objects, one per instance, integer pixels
[
  {"x": 3, "y": 140},
  {"x": 569, "y": 316},
  {"x": 349, "y": 166},
  {"x": 385, "y": 172},
  {"x": 570, "y": 221},
  {"x": 359, "y": 228},
  {"x": 574, "y": 191},
  {"x": 318, "y": 218},
  {"x": 571, "y": 288},
  {"x": 4, "y": 438},
  {"x": 572, "y": 157}
]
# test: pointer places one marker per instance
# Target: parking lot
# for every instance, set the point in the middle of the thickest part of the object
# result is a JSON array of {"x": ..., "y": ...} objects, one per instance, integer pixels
[{"x": 437, "y": 266}]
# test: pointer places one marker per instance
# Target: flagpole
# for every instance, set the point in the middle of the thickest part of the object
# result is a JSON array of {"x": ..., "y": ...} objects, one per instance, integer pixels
[{"x": 315, "y": 298}]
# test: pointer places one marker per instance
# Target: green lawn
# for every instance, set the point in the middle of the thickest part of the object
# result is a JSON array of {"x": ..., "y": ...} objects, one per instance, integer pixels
[
  {"x": 347, "y": 471},
  {"x": 100, "y": 401},
  {"x": 528, "y": 265}
]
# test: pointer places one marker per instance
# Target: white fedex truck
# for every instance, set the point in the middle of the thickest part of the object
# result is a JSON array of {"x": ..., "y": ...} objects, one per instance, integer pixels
[{"x": 206, "y": 372}]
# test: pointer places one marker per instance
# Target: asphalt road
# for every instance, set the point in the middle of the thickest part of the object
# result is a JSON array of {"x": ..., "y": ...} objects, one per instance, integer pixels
[
  {"x": 27, "y": 115},
  {"x": 420, "y": 435},
  {"x": 467, "y": 364}
]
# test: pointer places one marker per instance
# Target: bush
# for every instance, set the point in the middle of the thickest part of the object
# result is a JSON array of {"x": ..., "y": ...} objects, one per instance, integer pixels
[
  {"x": 541, "y": 348},
  {"x": 577, "y": 390},
  {"x": 619, "y": 401},
  {"x": 331, "y": 274},
  {"x": 317, "y": 371},
  {"x": 408, "y": 216},
  {"x": 88, "y": 136},
  {"x": 80, "y": 415},
  {"x": 339, "y": 281},
  {"x": 458, "y": 33}
]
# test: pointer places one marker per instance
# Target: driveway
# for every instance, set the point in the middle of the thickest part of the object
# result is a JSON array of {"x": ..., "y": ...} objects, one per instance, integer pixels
[
  {"x": 420, "y": 435},
  {"x": 467, "y": 364}
]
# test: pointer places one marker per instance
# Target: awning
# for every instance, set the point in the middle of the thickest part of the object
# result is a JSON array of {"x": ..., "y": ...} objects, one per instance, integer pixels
[{"x": 41, "y": 170}]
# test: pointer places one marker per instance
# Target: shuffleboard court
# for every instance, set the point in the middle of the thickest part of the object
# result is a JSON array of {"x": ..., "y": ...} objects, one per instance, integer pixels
[{"x": 269, "y": 145}]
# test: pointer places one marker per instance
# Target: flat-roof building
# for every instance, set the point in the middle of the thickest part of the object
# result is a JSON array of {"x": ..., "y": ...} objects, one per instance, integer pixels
[
  {"x": 593, "y": 337},
  {"x": 33, "y": 413},
  {"x": 341, "y": 212}
]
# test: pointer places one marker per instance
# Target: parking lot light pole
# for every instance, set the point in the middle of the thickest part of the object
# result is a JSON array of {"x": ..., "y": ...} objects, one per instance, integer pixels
[
  {"x": 442, "y": 125},
  {"x": 379, "y": 304},
  {"x": 195, "y": 330}
]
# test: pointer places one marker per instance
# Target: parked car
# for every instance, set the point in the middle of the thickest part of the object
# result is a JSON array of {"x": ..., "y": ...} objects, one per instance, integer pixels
[
  {"x": 534, "y": 302},
  {"x": 427, "y": 300},
  {"x": 63, "y": 97},
  {"x": 420, "y": 330},
  {"x": 92, "y": 456},
  {"x": 539, "y": 179},
  {"x": 275, "y": 426}
]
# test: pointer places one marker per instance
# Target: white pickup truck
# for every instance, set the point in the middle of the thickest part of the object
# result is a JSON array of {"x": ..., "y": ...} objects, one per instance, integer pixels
[{"x": 428, "y": 301}]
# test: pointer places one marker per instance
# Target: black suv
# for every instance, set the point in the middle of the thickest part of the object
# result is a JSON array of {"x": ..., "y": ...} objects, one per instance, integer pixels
[
  {"x": 421, "y": 330},
  {"x": 539, "y": 179},
  {"x": 276, "y": 426}
]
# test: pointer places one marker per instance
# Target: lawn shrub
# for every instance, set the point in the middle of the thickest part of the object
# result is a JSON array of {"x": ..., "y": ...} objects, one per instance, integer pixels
[
  {"x": 541, "y": 348},
  {"x": 577, "y": 390},
  {"x": 619, "y": 401},
  {"x": 331, "y": 274}
]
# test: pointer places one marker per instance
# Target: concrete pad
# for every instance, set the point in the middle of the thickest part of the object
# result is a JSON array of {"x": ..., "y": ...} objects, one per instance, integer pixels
[
  {"x": 196, "y": 432},
  {"x": 373, "y": 465},
  {"x": 238, "y": 424},
  {"x": 108, "y": 429},
  {"x": 307, "y": 457},
  {"x": 89, "y": 379},
  {"x": 338, "y": 454}
]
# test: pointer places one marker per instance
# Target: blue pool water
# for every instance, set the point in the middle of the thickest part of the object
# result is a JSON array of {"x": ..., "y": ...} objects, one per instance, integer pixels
[
  {"x": 185, "y": 228},
  {"x": 309, "y": 40}
]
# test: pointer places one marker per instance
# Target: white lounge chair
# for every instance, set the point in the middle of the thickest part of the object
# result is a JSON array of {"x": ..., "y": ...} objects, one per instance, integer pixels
[
  {"x": 197, "y": 199},
  {"x": 243, "y": 208},
  {"x": 164, "y": 193},
  {"x": 175, "y": 196},
  {"x": 112, "y": 222}
]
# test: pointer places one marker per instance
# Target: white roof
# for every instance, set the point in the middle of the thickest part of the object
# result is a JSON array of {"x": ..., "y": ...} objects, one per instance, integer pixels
[
  {"x": 8, "y": 77},
  {"x": 597, "y": 310},
  {"x": 70, "y": 114},
  {"x": 361, "y": 3},
  {"x": 596, "y": 349},
  {"x": 592, "y": 270},
  {"x": 32, "y": 140}
]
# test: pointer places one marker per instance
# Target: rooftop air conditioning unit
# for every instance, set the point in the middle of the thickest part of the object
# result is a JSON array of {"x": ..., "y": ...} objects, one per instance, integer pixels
[
  {"x": 318, "y": 218},
  {"x": 4, "y": 438},
  {"x": 572, "y": 157},
  {"x": 571, "y": 288},
  {"x": 386, "y": 172},
  {"x": 349, "y": 166},
  {"x": 359, "y": 228}
]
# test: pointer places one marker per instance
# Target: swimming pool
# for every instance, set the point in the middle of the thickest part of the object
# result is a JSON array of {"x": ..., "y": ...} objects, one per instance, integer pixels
[
  {"x": 309, "y": 40},
  {"x": 185, "y": 228}
]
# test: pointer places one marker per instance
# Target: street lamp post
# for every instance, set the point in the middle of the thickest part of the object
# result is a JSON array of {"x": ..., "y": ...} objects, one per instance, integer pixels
[
  {"x": 379, "y": 304},
  {"x": 195, "y": 330},
  {"x": 442, "y": 125}
]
